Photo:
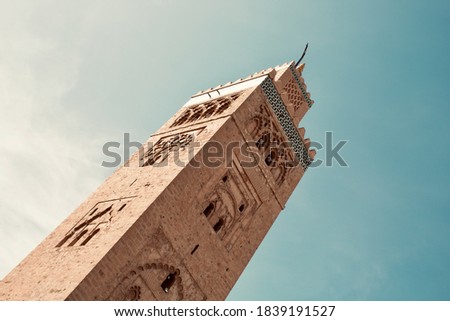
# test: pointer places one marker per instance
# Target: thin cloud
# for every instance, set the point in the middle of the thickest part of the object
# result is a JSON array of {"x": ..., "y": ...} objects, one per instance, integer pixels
[{"x": 44, "y": 147}]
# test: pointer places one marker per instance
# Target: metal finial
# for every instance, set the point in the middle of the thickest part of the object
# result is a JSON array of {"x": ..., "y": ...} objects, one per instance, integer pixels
[{"x": 303, "y": 55}]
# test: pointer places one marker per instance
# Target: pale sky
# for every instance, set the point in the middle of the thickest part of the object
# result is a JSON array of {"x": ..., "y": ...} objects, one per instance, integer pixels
[{"x": 77, "y": 74}]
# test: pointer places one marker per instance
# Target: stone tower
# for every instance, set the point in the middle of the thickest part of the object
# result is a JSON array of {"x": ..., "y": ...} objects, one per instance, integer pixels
[{"x": 183, "y": 217}]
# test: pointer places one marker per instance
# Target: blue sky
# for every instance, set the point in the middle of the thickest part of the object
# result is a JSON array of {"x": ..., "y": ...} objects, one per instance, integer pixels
[{"x": 74, "y": 75}]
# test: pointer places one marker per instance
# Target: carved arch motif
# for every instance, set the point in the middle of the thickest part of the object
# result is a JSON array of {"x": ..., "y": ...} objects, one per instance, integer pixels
[
  {"x": 160, "y": 151},
  {"x": 163, "y": 147},
  {"x": 272, "y": 146},
  {"x": 150, "y": 281},
  {"x": 223, "y": 215},
  {"x": 99, "y": 217},
  {"x": 205, "y": 110},
  {"x": 229, "y": 208}
]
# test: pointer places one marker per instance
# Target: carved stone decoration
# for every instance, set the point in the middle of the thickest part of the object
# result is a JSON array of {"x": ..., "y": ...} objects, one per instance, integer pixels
[
  {"x": 150, "y": 281},
  {"x": 161, "y": 150},
  {"x": 159, "y": 273},
  {"x": 272, "y": 146},
  {"x": 205, "y": 110},
  {"x": 301, "y": 86},
  {"x": 260, "y": 122},
  {"x": 286, "y": 123},
  {"x": 134, "y": 294},
  {"x": 94, "y": 221},
  {"x": 230, "y": 207},
  {"x": 295, "y": 96}
]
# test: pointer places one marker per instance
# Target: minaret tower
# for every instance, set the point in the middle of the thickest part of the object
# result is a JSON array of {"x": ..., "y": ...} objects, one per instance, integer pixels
[{"x": 182, "y": 218}]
